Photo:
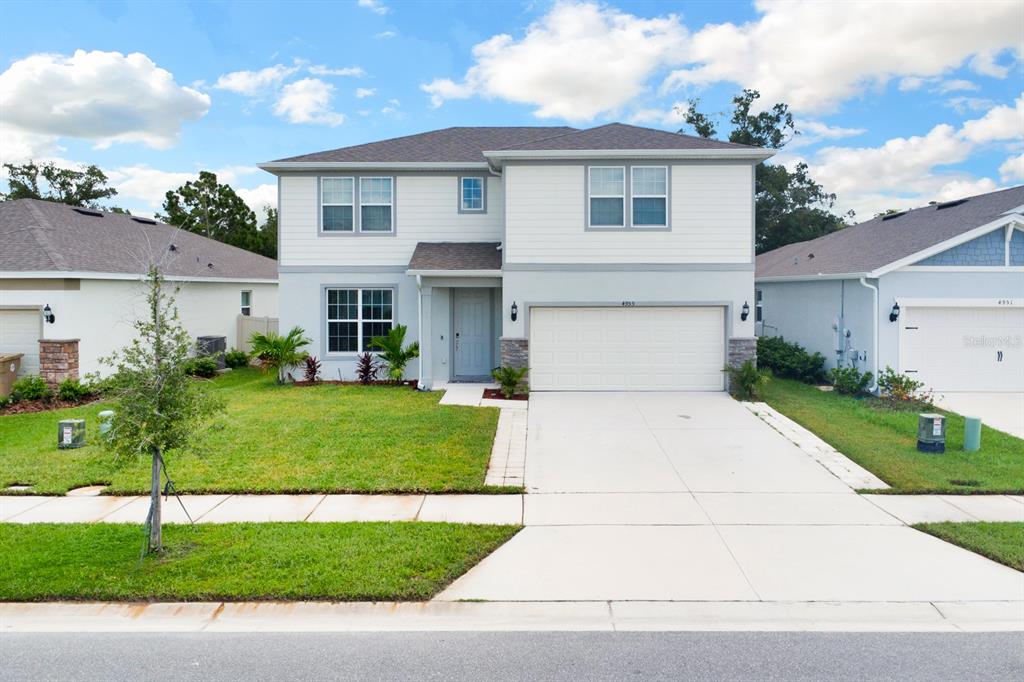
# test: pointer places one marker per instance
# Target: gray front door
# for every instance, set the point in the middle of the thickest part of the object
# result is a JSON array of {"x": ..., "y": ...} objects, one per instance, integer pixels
[{"x": 472, "y": 333}]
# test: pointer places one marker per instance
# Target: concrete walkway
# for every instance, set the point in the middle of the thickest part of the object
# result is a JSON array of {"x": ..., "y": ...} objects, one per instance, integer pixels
[{"x": 1003, "y": 411}]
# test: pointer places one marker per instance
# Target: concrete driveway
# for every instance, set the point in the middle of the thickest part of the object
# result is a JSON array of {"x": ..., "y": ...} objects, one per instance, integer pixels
[
  {"x": 690, "y": 496},
  {"x": 1003, "y": 411}
]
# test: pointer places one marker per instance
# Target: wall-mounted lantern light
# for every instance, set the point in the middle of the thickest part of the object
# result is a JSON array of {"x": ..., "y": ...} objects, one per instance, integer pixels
[
  {"x": 515, "y": 311},
  {"x": 48, "y": 315},
  {"x": 894, "y": 314},
  {"x": 745, "y": 312}
]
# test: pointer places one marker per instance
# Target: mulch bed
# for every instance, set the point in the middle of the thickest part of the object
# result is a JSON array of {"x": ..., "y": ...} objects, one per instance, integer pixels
[
  {"x": 496, "y": 394},
  {"x": 27, "y": 406}
]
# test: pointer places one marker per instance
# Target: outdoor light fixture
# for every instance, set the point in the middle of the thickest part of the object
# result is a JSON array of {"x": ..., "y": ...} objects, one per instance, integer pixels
[
  {"x": 48, "y": 315},
  {"x": 894, "y": 314},
  {"x": 515, "y": 311},
  {"x": 745, "y": 312}
]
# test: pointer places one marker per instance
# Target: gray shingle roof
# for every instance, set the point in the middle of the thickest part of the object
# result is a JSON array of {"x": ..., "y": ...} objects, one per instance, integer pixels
[
  {"x": 876, "y": 243},
  {"x": 450, "y": 144},
  {"x": 617, "y": 136},
  {"x": 47, "y": 236},
  {"x": 456, "y": 256}
]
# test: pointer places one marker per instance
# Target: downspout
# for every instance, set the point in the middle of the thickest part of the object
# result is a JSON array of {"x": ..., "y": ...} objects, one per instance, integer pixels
[
  {"x": 874, "y": 332},
  {"x": 419, "y": 330}
]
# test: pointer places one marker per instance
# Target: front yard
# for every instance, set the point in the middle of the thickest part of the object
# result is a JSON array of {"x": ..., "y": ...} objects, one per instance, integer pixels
[
  {"x": 1002, "y": 542},
  {"x": 241, "y": 561},
  {"x": 884, "y": 441},
  {"x": 276, "y": 439}
]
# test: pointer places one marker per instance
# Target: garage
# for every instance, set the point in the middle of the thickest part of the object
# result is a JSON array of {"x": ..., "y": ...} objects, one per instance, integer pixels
[
  {"x": 964, "y": 348},
  {"x": 19, "y": 333},
  {"x": 627, "y": 348}
]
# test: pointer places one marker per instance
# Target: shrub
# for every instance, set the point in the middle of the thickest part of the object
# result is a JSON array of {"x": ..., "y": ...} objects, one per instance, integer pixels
[
  {"x": 278, "y": 352},
  {"x": 30, "y": 388},
  {"x": 204, "y": 366},
  {"x": 235, "y": 358},
  {"x": 73, "y": 390},
  {"x": 745, "y": 381},
  {"x": 510, "y": 379},
  {"x": 850, "y": 381},
  {"x": 4, "y": 401},
  {"x": 311, "y": 369},
  {"x": 790, "y": 360},
  {"x": 394, "y": 352},
  {"x": 96, "y": 384},
  {"x": 367, "y": 368},
  {"x": 900, "y": 388}
]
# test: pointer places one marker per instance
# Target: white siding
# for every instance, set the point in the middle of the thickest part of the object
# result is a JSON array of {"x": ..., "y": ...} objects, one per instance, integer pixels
[
  {"x": 711, "y": 218},
  {"x": 426, "y": 209}
]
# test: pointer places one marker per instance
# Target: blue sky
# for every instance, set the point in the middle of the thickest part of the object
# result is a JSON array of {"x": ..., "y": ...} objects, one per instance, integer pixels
[{"x": 900, "y": 103}]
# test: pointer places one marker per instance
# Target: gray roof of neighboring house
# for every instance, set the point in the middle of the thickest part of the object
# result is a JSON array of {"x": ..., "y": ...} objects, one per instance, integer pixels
[
  {"x": 467, "y": 144},
  {"x": 456, "y": 256},
  {"x": 45, "y": 236},
  {"x": 870, "y": 245}
]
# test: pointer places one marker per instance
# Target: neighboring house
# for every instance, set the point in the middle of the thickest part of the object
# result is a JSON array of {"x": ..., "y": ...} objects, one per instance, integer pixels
[
  {"x": 84, "y": 268},
  {"x": 936, "y": 292},
  {"x": 611, "y": 258}
]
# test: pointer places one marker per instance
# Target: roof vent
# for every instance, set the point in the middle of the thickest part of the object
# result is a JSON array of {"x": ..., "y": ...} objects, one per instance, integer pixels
[
  {"x": 145, "y": 221},
  {"x": 891, "y": 216},
  {"x": 949, "y": 204},
  {"x": 88, "y": 212},
  {"x": 172, "y": 247},
  {"x": 210, "y": 265},
  {"x": 810, "y": 256}
]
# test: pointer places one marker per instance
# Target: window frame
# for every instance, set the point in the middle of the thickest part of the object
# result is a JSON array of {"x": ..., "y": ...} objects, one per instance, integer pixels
[
  {"x": 590, "y": 213},
  {"x": 358, "y": 320},
  {"x": 633, "y": 195},
  {"x": 354, "y": 203},
  {"x": 391, "y": 204},
  {"x": 758, "y": 308},
  {"x": 245, "y": 308},
  {"x": 483, "y": 194}
]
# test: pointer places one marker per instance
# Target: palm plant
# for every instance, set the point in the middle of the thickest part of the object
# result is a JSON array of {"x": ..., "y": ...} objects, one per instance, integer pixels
[
  {"x": 510, "y": 379},
  {"x": 280, "y": 352},
  {"x": 394, "y": 352}
]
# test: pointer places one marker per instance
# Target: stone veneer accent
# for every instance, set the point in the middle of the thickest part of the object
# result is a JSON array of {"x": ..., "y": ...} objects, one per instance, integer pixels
[
  {"x": 741, "y": 349},
  {"x": 514, "y": 352},
  {"x": 58, "y": 360}
]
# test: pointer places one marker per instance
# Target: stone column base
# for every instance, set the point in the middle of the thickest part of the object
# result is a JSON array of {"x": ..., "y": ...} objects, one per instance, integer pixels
[
  {"x": 58, "y": 360},
  {"x": 741, "y": 349}
]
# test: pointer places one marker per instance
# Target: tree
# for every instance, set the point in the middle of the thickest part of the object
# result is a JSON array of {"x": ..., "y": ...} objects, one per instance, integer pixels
[
  {"x": 267, "y": 240},
  {"x": 394, "y": 352},
  {"x": 280, "y": 352},
  {"x": 789, "y": 205},
  {"x": 159, "y": 407},
  {"x": 62, "y": 185},
  {"x": 214, "y": 210}
]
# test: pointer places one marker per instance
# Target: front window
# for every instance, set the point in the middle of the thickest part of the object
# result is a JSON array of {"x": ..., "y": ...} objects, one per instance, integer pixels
[
  {"x": 247, "y": 303},
  {"x": 607, "y": 196},
  {"x": 757, "y": 305},
  {"x": 650, "y": 196},
  {"x": 375, "y": 204},
  {"x": 337, "y": 204},
  {"x": 355, "y": 316},
  {"x": 471, "y": 194}
]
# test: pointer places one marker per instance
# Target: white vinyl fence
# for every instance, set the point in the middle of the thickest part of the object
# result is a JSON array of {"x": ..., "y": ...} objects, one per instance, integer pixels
[{"x": 248, "y": 324}]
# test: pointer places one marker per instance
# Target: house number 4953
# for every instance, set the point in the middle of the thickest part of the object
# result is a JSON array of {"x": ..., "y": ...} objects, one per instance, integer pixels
[{"x": 629, "y": 304}]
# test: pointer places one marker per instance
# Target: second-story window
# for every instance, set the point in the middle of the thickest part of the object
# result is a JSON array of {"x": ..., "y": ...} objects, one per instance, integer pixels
[
  {"x": 337, "y": 204},
  {"x": 607, "y": 188},
  {"x": 650, "y": 196},
  {"x": 471, "y": 195},
  {"x": 376, "y": 199}
]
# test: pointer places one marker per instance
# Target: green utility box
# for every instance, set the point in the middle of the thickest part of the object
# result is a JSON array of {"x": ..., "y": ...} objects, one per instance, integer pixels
[
  {"x": 71, "y": 433},
  {"x": 931, "y": 432}
]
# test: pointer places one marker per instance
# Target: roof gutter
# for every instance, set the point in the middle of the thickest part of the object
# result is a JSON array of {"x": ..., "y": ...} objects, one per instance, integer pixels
[
  {"x": 813, "y": 278},
  {"x": 453, "y": 273},
  {"x": 126, "y": 276},
  {"x": 874, "y": 333}
]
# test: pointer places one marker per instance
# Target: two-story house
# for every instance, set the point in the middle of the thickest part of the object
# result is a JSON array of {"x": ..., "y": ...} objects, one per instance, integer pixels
[{"x": 611, "y": 258}]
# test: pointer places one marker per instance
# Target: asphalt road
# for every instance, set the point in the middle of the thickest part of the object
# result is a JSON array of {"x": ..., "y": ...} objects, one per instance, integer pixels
[{"x": 513, "y": 656}]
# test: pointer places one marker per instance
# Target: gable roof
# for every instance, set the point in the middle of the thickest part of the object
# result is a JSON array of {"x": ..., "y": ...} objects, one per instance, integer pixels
[
  {"x": 45, "y": 236},
  {"x": 437, "y": 256},
  {"x": 865, "y": 248}
]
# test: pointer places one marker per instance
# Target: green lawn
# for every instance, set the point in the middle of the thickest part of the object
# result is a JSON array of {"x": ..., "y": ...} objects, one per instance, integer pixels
[
  {"x": 884, "y": 442},
  {"x": 1002, "y": 542},
  {"x": 277, "y": 439},
  {"x": 241, "y": 561}
]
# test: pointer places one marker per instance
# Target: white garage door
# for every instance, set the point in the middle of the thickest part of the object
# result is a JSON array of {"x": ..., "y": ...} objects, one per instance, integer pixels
[
  {"x": 964, "y": 349},
  {"x": 612, "y": 349},
  {"x": 19, "y": 333}
]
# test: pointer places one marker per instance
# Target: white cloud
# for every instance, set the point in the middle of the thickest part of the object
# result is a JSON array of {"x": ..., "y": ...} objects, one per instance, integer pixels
[
  {"x": 362, "y": 93},
  {"x": 384, "y": 35},
  {"x": 308, "y": 101},
  {"x": 576, "y": 62},
  {"x": 938, "y": 85},
  {"x": 353, "y": 71},
  {"x": 963, "y": 105},
  {"x": 1012, "y": 170},
  {"x": 955, "y": 85},
  {"x": 673, "y": 116},
  {"x": 375, "y": 6},
  {"x": 259, "y": 197},
  {"x": 105, "y": 97},
  {"x": 253, "y": 83},
  {"x": 149, "y": 185},
  {"x": 814, "y": 55},
  {"x": 1000, "y": 123},
  {"x": 813, "y": 132}
]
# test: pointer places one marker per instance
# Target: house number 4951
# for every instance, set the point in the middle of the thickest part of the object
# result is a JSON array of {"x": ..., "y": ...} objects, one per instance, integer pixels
[{"x": 629, "y": 304}]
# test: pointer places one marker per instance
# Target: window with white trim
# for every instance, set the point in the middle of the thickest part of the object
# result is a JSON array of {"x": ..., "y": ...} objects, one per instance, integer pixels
[
  {"x": 376, "y": 201},
  {"x": 246, "y": 303},
  {"x": 607, "y": 196},
  {"x": 337, "y": 204},
  {"x": 355, "y": 316},
  {"x": 757, "y": 305},
  {"x": 471, "y": 194},
  {"x": 649, "y": 196}
]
